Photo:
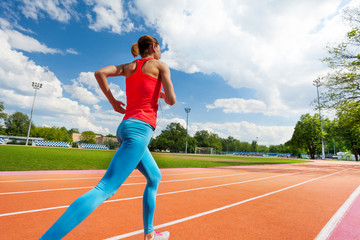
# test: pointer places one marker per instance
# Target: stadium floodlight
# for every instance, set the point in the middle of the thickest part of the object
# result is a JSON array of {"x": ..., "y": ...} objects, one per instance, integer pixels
[
  {"x": 187, "y": 110},
  {"x": 317, "y": 84},
  {"x": 36, "y": 86}
]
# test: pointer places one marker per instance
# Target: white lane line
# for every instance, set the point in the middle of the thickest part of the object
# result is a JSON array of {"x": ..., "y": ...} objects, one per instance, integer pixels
[
  {"x": 333, "y": 222},
  {"x": 49, "y": 179},
  {"x": 126, "y": 184},
  {"x": 159, "y": 194},
  {"x": 64, "y": 179},
  {"x": 224, "y": 207}
]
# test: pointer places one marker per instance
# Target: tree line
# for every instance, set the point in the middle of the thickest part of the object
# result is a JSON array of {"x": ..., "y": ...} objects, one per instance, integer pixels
[
  {"x": 17, "y": 124},
  {"x": 173, "y": 138}
]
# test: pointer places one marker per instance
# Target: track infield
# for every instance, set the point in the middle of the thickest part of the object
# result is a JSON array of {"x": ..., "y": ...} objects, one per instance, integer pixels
[{"x": 316, "y": 200}]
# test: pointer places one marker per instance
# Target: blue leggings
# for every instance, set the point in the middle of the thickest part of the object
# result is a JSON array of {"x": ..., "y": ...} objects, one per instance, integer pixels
[{"x": 135, "y": 136}]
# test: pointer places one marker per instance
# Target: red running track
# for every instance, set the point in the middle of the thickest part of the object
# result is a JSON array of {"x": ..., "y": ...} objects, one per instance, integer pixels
[{"x": 290, "y": 201}]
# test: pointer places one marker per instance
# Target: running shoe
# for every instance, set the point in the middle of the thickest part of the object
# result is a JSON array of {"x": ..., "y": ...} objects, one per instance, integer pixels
[{"x": 161, "y": 236}]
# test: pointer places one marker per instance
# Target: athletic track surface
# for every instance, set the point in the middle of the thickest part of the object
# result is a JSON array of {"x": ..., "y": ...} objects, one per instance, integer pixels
[{"x": 317, "y": 200}]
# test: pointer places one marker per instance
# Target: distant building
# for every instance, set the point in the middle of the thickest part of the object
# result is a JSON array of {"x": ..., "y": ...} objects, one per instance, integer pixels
[{"x": 98, "y": 138}]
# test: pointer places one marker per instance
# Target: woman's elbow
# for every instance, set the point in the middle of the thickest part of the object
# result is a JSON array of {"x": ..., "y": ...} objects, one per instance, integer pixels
[
  {"x": 98, "y": 73},
  {"x": 171, "y": 101}
]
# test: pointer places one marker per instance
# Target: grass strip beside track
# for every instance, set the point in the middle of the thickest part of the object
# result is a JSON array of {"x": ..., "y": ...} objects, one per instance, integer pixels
[{"x": 22, "y": 158}]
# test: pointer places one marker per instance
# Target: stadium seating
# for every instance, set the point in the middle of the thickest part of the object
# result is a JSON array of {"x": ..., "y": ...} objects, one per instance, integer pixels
[
  {"x": 3, "y": 141},
  {"x": 93, "y": 146},
  {"x": 52, "y": 144},
  {"x": 259, "y": 154}
]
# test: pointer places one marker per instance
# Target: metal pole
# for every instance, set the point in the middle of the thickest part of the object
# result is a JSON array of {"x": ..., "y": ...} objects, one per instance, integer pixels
[
  {"x": 36, "y": 86},
  {"x": 317, "y": 85},
  {"x": 257, "y": 150},
  {"x": 187, "y": 110}
]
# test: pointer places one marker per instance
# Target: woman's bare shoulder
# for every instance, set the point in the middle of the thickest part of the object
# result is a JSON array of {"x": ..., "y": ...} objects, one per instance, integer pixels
[
  {"x": 129, "y": 68},
  {"x": 159, "y": 64}
]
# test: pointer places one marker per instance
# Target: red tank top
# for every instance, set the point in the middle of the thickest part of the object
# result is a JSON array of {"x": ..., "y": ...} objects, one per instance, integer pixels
[{"x": 142, "y": 95}]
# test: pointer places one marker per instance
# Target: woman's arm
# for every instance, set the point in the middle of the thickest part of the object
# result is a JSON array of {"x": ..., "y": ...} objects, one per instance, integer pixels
[
  {"x": 101, "y": 77},
  {"x": 170, "y": 97}
]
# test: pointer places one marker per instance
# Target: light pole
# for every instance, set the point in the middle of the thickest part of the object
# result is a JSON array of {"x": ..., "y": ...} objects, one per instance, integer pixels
[
  {"x": 317, "y": 84},
  {"x": 36, "y": 86},
  {"x": 187, "y": 110},
  {"x": 257, "y": 145}
]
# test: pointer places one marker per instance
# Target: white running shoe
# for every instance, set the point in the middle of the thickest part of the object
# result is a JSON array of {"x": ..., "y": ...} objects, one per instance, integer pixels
[{"x": 161, "y": 236}]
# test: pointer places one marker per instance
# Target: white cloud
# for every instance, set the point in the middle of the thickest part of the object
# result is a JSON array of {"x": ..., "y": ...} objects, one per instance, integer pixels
[
  {"x": 247, "y": 132},
  {"x": 81, "y": 93},
  {"x": 26, "y": 43},
  {"x": 17, "y": 72},
  {"x": 86, "y": 89},
  {"x": 238, "y": 105},
  {"x": 117, "y": 92},
  {"x": 274, "y": 48},
  {"x": 110, "y": 15},
  {"x": 18, "y": 40},
  {"x": 97, "y": 107},
  {"x": 88, "y": 79},
  {"x": 72, "y": 51},
  {"x": 57, "y": 10},
  {"x": 243, "y": 131}
]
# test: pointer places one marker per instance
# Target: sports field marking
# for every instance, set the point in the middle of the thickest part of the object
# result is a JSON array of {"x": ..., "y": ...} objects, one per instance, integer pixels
[
  {"x": 49, "y": 179},
  {"x": 64, "y": 179},
  {"x": 224, "y": 207},
  {"x": 129, "y": 184},
  {"x": 159, "y": 194},
  {"x": 333, "y": 222},
  {"x": 124, "y": 184}
]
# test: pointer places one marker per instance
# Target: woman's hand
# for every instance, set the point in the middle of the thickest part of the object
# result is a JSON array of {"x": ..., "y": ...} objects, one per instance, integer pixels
[
  {"x": 117, "y": 105},
  {"x": 162, "y": 95}
]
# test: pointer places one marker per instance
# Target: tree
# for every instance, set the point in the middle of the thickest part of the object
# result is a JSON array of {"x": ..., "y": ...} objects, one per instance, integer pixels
[
  {"x": 202, "y": 137},
  {"x": 17, "y": 124},
  {"x": 307, "y": 134},
  {"x": 51, "y": 134},
  {"x": 343, "y": 84},
  {"x": 230, "y": 144},
  {"x": 347, "y": 127},
  {"x": 208, "y": 139},
  {"x": 88, "y": 137},
  {"x": 2, "y": 116},
  {"x": 173, "y": 138},
  {"x": 111, "y": 144},
  {"x": 254, "y": 146},
  {"x": 215, "y": 141}
]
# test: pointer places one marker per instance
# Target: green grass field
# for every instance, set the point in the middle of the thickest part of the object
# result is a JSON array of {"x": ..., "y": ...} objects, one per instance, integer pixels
[{"x": 22, "y": 158}]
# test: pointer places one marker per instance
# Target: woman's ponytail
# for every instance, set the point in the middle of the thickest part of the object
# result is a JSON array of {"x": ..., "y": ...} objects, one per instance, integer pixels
[{"x": 135, "y": 50}]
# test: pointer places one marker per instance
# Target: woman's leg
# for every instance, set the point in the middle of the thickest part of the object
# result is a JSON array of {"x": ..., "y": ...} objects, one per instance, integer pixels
[
  {"x": 150, "y": 170},
  {"x": 136, "y": 136}
]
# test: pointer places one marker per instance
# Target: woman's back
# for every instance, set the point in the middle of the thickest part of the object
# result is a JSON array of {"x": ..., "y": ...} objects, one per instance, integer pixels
[{"x": 143, "y": 91}]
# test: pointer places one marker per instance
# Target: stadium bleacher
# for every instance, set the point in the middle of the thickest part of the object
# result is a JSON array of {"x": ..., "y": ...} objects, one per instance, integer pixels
[
  {"x": 93, "y": 146},
  {"x": 52, "y": 144},
  {"x": 3, "y": 141}
]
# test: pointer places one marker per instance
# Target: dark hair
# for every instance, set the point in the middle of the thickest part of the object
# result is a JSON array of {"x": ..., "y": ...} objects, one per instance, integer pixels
[{"x": 141, "y": 47}]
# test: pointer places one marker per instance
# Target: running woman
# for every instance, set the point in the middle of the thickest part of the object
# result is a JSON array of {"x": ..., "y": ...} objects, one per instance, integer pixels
[{"x": 145, "y": 79}]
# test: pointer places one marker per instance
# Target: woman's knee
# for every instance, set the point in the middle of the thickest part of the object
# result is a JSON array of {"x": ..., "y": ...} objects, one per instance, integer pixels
[{"x": 155, "y": 179}]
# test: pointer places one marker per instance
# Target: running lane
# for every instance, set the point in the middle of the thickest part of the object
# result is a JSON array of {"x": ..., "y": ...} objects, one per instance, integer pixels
[{"x": 290, "y": 201}]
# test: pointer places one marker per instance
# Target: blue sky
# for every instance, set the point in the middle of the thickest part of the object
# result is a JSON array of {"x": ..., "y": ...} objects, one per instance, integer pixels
[{"x": 245, "y": 68}]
